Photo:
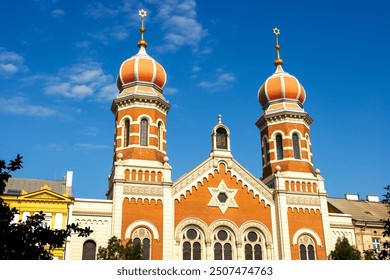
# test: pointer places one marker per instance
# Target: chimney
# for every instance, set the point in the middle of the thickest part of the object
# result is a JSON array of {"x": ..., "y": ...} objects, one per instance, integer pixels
[
  {"x": 69, "y": 179},
  {"x": 350, "y": 196},
  {"x": 372, "y": 198}
]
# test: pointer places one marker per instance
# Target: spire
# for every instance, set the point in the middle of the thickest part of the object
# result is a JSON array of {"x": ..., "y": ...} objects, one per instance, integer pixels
[
  {"x": 278, "y": 61},
  {"x": 142, "y": 43}
]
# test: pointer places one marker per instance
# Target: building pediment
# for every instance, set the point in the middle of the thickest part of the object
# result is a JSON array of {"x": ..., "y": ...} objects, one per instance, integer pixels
[
  {"x": 212, "y": 164},
  {"x": 45, "y": 194}
]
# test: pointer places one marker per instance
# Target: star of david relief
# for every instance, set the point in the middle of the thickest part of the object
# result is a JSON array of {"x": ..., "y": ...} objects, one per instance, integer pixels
[{"x": 222, "y": 197}]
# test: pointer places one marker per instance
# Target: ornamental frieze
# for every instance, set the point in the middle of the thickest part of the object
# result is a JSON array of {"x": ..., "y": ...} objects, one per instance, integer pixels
[{"x": 143, "y": 190}]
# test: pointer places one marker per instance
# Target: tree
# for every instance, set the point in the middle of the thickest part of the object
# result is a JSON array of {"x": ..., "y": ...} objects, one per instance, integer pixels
[
  {"x": 370, "y": 255},
  {"x": 28, "y": 240},
  {"x": 116, "y": 251},
  {"x": 344, "y": 251},
  {"x": 385, "y": 252}
]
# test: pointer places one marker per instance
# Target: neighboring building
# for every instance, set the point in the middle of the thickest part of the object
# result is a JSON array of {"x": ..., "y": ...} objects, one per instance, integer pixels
[
  {"x": 365, "y": 220},
  {"x": 93, "y": 213},
  {"x": 53, "y": 197}
]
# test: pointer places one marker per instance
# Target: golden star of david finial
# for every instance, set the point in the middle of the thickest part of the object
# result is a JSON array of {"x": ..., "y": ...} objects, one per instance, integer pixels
[
  {"x": 278, "y": 60},
  {"x": 142, "y": 13}
]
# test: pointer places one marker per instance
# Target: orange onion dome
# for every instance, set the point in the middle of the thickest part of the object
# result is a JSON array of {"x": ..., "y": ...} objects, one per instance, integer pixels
[
  {"x": 141, "y": 73},
  {"x": 141, "y": 69},
  {"x": 281, "y": 85}
]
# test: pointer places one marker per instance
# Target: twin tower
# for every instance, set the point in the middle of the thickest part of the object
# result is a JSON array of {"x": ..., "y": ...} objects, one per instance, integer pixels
[{"x": 218, "y": 210}]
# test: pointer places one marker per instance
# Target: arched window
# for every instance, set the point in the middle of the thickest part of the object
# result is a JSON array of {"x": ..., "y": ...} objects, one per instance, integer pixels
[
  {"x": 143, "y": 237},
  {"x": 253, "y": 249},
  {"x": 265, "y": 150},
  {"x": 295, "y": 142},
  {"x": 144, "y": 132},
  {"x": 192, "y": 245},
  {"x": 306, "y": 248},
  {"x": 279, "y": 147},
  {"x": 223, "y": 241},
  {"x": 89, "y": 250},
  {"x": 126, "y": 134},
  {"x": 221, "y": 138},
  {"x": 160, "y": 136}
]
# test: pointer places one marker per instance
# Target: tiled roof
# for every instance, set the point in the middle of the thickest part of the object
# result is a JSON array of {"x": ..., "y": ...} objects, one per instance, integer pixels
[
  {"x": 359, "y": 209},
  {"x": 33, "y": 185}
]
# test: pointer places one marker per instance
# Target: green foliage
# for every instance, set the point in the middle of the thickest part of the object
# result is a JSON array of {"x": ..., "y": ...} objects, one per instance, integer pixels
[
  {"x": 370, "y": 255},
  {"x": 385, "y": 250},
  {"x": 28, "y": 240},
  {"x": 344, "y": 251},
  {"x": 116, "y": 251}
]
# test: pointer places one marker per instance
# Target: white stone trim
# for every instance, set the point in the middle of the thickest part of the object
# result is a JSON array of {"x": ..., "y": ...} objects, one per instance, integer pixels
[
  {"x": 142, "y": 223},
  {"x": 307, "y": 231}
]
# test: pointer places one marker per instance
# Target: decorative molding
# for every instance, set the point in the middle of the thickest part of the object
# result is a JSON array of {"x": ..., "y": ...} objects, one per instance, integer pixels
[
  {"x": 303, "y": 201},
  {"x": 143, "y": 191},
  {"x": 223, "y": 189}
]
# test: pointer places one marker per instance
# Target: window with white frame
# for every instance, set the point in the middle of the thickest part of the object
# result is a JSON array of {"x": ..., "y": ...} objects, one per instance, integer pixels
[
  {"x": 306, "y": 248},
  {"x": 253, "y": 245},
  {"x": 223, "y": 245},
  {"x": 296, "y": 146},
  {"x": 144, "y": 132},
  {"x": 89, "y": 250},
  {"x": 193, "y": 244},
  {"x": 279, "y": 146},
  {"x": 376, "y": 244},
  {"x": 126, "y": 133},
  {"x": 143, "y": 237}
]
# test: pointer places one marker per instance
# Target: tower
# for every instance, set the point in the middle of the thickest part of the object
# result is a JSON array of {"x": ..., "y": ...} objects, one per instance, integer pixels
[
  {"x": 287, "y": 164},
  {"x": 141, "y": 175}
]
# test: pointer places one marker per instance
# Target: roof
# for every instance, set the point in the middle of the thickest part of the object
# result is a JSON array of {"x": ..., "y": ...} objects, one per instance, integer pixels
[
  {"x": 359, "y": 209},
  {"x": 16, "y": 185}
]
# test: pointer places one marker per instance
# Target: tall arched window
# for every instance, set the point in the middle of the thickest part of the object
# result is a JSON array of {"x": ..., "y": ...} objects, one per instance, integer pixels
[
  {"x": 144, "y": 132},
  {"x": 160, "y": 136},
  {"x": 265, "y": 150},
  {"x": 279, "y": 147},
  {"x": 89, "y": 250},
  {"x": 306, "y": 248},
  {"x": 192, "y": 245},
  {"x": 253, "y": 249},
  {"x": 126, "y": 134},
  {"x": 221, "y": 138},
  {"x": 295, "y": 142},
  {"x": 143, "y": 237},
  {"x": 223, "y": 241}
]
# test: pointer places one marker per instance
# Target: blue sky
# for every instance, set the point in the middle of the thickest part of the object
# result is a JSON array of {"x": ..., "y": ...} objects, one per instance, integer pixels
[{"x": 59, "y": 60}]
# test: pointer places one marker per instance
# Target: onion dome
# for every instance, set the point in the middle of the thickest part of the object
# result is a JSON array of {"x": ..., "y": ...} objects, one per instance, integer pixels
[
  {"x": 281, "y": 85},
  {"x": 141, "y": 73}
]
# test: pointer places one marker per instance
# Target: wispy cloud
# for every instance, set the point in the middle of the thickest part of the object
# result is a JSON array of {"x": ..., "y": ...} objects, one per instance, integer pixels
[
  {"x": 222, "y": 80},
  {"x": 66, "y": 147},
  {"x": 118, "y": 33},
  {"x": 11, "y": 63},
  {"x": 57, "y": 13},
  {"x": 98, "y": 11},
  {"x": 170, "y": 91},
  {"x": 180, "y": 24},
  {"x": 21, "y": 106},
  {"x": 82, "y": 80}
]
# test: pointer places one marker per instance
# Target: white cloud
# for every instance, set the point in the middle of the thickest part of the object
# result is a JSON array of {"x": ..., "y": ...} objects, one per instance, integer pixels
[
  {"x": 179, "y": 21},
  {"x": 20, "y": 106},
  {"x": 98, "y": 11},
  {"x": 170, "y": 91},
  {"x": 11, "y": 63},
  {"x": 82, "y": 80},
  {"x": 57, "y": 13},
  {"x": 222, "y": 80}
]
